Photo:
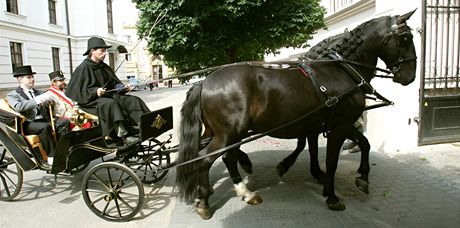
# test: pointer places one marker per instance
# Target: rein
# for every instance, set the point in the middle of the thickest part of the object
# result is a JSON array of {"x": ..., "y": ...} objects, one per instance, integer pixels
[{"x": 329, "y": 102}]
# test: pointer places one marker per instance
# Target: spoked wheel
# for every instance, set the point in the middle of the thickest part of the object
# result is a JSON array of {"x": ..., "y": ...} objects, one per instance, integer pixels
[
  {"x": 147, "y": 165},
  {"x": 11, "y": 176},
  {"x": 113, "y": 191}
]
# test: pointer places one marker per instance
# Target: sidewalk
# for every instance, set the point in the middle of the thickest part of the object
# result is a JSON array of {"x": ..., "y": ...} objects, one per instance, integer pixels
[{"x": 419, "y": 188}]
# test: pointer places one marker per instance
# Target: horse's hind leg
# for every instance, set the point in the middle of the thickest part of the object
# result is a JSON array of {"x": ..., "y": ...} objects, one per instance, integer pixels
[
  {"x": 287, "y": 162},
  {"x": 204, "y": 188},
  {"x": 230, "y": 159},
  {"x": 362, "y": 182},
  {"x": 204, "y": 191},
  {"x": 244, "y": 161}
]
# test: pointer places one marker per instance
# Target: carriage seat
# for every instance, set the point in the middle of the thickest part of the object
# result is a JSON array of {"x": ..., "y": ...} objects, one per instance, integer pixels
[{"x": 32, "y": 140}]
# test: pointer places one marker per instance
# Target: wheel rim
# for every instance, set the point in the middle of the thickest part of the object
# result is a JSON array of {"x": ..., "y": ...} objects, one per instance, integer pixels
[
  {"x": 113, "y": 192},
  {"x": 148, "y": 166},
  {"x": 11, "y": 176}
]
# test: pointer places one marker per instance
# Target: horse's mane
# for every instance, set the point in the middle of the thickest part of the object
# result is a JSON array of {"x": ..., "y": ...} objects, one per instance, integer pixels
[{"x": 346, "y": 44}]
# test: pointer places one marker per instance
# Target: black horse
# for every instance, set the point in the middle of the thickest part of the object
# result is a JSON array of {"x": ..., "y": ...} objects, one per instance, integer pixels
[
  {"x": 235, "y": 100},
  {"x": 346, "y": 44}
]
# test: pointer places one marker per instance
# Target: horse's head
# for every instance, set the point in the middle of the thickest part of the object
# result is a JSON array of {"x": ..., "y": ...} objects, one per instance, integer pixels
[{"x": 397, "y": 49}]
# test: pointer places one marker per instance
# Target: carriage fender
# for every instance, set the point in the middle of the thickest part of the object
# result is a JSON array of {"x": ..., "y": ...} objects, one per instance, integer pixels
[{"x": 16, "y": 145}]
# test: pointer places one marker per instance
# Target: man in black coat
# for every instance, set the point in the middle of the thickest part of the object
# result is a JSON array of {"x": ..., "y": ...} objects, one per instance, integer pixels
[{"x": 97, "y": 90}]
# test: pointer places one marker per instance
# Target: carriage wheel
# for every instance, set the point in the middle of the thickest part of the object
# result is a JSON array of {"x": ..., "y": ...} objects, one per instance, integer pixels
[
  {"x": 78, "y": 168},
  {"x": 11, "y": 176},
  {"x": 113, "y": 191},
  {"x": 148, "y": 166}
]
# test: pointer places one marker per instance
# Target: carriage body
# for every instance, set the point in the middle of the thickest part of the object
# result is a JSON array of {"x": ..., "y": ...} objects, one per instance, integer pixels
[{"x": 138, "y": 162}]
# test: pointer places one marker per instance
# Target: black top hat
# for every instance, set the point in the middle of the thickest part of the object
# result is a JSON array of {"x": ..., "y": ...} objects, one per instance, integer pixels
[
  {"x": 95, "y": 42},
  {"x": 23, "y": 70},
  {"x": 56, "y": 75}
]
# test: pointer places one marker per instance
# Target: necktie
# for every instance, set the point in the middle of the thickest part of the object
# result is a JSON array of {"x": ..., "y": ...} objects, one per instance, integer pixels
[{"x": 32, "y": 95}]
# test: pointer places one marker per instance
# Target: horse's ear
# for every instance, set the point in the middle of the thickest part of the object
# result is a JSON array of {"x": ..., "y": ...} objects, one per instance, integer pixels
[{"x": 405, "y": 17}]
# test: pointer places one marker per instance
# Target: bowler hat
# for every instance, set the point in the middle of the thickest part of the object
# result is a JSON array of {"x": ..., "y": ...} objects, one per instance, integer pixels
[
  {"x": 23, "y": 70},
  {"x": 95, "y": 42},
  {"x": 56, "y": 75}
]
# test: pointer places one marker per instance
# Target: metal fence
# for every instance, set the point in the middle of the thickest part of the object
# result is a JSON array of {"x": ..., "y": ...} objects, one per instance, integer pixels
[{"x": 441, "y": 64}]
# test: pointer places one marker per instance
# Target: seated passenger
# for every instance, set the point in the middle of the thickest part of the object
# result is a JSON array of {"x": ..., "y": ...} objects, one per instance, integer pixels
[
  {"x": 63, "y": 106},
  {"x": 32, "y": 104},
  {"x": 94, "y": 84}
]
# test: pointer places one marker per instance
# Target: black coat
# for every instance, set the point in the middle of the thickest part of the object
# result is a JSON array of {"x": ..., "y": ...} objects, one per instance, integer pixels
[{"x": 111, "y": 108}]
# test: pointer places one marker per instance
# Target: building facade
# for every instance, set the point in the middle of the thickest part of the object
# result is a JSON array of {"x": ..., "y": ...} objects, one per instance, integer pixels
[
  {"x": 52, "y": 35},
  {"x": 428, "y": 110}
]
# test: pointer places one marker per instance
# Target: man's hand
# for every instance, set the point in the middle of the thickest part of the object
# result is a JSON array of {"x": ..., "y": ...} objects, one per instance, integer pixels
[
  {"x": 128, "y": 87},
  {"x": 44, "y": 98},
  {"x": 100, "y": 92}
]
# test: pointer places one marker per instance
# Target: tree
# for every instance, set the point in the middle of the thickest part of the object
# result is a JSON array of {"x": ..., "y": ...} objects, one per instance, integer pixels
[{"x": 196, "y": 34}]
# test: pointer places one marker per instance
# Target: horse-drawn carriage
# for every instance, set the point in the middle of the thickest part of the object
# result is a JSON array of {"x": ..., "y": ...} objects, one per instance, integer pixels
[
  {"x": 309, "y": 97},
  {"x": 112, "y": 189}
]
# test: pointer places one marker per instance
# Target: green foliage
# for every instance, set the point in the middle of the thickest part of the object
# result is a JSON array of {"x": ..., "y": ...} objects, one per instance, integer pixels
[{"x": 197, "y": 34}]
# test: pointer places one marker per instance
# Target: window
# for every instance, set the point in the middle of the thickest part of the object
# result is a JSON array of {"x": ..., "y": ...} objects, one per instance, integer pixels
[
  {"x": 109, "y": 16},
  {"x": 334, "y": 6},
  {"x": 52, "y": 11},
  {"x": 16, "y": 54},
  {"x": 55, "y": 57},
  {"x": 12, "y": 6}
]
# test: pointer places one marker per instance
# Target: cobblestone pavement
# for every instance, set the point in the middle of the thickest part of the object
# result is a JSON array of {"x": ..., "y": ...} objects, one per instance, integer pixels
[{"x": 419, "y": 188}]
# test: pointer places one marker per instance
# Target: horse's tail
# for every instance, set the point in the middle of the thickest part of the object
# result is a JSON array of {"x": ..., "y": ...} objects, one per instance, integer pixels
[{"x": 187, "y": 176}]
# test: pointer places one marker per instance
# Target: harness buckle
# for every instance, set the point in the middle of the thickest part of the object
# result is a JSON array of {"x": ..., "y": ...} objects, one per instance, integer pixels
[
  {"x": 322, "y": 88},
  {"x": 332, "y": 101}
]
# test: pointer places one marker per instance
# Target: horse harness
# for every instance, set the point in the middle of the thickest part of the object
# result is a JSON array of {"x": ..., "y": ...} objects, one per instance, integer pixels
[{"x": 329, "y": 100}]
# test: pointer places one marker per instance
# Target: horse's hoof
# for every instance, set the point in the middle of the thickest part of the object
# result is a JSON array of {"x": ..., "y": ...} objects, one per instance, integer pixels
[
  {"x": 280, "y": 169},
  {"x": 362, "y": 185},
  {"x": 254, "y": 200},
  {"x": 337, "y": 206},
  {"x": 204, "y": 213}
]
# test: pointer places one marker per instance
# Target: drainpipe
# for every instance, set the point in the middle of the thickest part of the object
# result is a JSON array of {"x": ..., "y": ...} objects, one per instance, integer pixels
[{"x": 69, "y": 41}]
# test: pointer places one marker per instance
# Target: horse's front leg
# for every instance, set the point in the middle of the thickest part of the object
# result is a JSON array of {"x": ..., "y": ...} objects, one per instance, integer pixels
[
  {"x": 315, "y": 169},
  {"x": 334, "y": 142},
  {"x": 230, "y": 159},
  {"x": 362, "y": 182}
]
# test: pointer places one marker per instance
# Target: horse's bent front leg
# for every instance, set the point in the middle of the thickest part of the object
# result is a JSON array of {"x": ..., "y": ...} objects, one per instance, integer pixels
[
  {"x": 287, "y": 162},
  {"x": 362, "y": 182},
  {"x": 334, "y": 142},
  {"x": 230, "y": 159}
]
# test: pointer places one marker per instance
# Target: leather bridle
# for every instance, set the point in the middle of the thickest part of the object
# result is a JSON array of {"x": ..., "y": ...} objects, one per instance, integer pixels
[{"x": 400, "y": 38}]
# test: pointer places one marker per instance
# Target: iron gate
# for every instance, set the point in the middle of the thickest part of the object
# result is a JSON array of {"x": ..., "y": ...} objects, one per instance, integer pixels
[{"x": 440, "y": 80}]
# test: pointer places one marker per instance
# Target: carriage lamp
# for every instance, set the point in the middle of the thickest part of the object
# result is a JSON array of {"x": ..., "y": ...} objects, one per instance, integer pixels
[{"x": 77, "y": 118}]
